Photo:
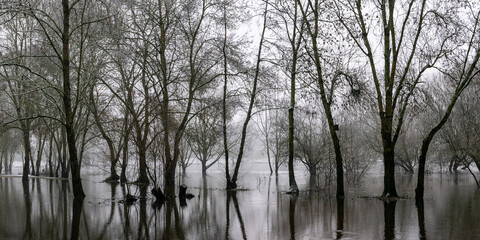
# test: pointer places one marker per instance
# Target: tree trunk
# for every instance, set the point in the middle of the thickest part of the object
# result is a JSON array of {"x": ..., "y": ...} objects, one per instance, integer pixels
[
  {"x": 67, "y": 104},
  {"x": 50, "y": 155},
  {"x": 142, "y": 161},
  {"x": 113, "y": 171},
  {"x": 232, "y": 184},
  {"x": 326, "y": 98},
  {"x": 291, "y": 171},
  {"x": 63, "y": 156},
  {"x": 204, "y": 168},
  {"x": 224, "y": 98},
  {"x": 10, "y": 164},
  {"x": 338, "y": 153},
  {"x": 127, "y": 130},
  {"x": 293, "y": 188},
  {"x": 27, "y": 148},
  {"x": 123, "y": 174},
  {"x": 169, "y": 179},
  {"x": 2, "y": 161},
  {"x": 389, "y": 189},
  {"x": 268, "y": 153},
  {"x": 41, "y": 145},
  {"x": 465, "y": 81}
]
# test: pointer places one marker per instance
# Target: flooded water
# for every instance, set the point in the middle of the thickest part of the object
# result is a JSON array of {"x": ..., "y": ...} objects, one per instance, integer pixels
[{"x": 261, "y": 210}]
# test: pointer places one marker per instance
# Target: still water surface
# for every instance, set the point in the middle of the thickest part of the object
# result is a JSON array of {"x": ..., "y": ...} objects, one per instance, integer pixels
[{"x": 261, "y": 210}]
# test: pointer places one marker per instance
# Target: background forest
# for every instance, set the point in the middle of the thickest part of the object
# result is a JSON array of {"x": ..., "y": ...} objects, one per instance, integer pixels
[{"x": 143, "y": 89}]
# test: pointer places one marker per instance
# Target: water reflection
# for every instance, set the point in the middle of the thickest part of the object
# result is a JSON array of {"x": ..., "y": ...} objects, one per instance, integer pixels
[
  {"x": 142, "y": 225},
  {"x": 291, "y": 215},
  {"x": 389, "y": 216},
  {"x": 421, "y": 218},
  {"x": 232, "y": 195},
  {"x": 77, "y": 208},
  {"x": 45, "y": 209},
  {"x": 113, "y": 189},
  {"x": 28, "y": 209},
  {"x": 227, "y": 215},
  {"x": 340, "y": 215}
]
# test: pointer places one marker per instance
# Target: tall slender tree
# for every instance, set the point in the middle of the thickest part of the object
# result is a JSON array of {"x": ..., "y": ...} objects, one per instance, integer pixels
[
  {"x": 467, "y": 72},
  {"x": 311, "y": 14},
  {"x": 407, "y": 52},
  {"x": 232, "y": 182}
]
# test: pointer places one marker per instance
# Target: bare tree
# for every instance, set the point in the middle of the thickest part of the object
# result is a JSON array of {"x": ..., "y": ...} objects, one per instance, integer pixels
[
  {"x": 204, "y": 136},
  {"x": 232, "y": 181},
  {"x": 273, "y": 126},
  {"x": 293, "y": 27},
  {"x": 406, "y": 54},
  {"x": 327, "y": 75},
  {"x": 19, "y": 81},
  {"x": 465, "y": 70}
]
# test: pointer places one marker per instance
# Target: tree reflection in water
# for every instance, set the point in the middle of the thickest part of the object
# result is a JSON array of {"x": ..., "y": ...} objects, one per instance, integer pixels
[
  {"x": 76, "y": 213},
  {"x": 171, "y": 208},
  {"x": 389, "y": 216},
  {"x": 143, "y": 231},
  {"x": 113, "y": 189},
  {"x": 421, "y": 218},
  {"x": 45, "y": 209},
  {"x": 232, "y": 196},
  {"x": 126, "y": 215},
  {"x": 227, "y": 215},
  {"x": 28, "y": 209},
  {"x": 291, "y": 214},
  {"x": 340, "y": 216}
]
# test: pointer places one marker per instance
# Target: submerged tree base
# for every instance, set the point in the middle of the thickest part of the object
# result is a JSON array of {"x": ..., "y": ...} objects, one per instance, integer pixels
[
  {"x": 129, "y": 199},
  {"x": 158, "y": 193},
  {"x": 141, "y": 182},
  {"x": 183, "y": 192},
  {"x": 293, "y": 190},
  {"x": 231, "y": 185},
  {"x": 112, "y": 178}
]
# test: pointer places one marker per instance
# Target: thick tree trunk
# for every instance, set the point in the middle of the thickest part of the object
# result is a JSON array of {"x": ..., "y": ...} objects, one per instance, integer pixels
[
  {"x": 123, "y": 174},
  {"x": 169, "y": 180},
  {"x": 142, "y": 161},
  {"x": 204, "y": 167},
  {"x": 113, "y": 171},
  {"x": 389, "y": 188}
]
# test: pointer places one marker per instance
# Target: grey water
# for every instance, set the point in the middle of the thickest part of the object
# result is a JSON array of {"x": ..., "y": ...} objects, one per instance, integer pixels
[{"x": 260, "y": 209}]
